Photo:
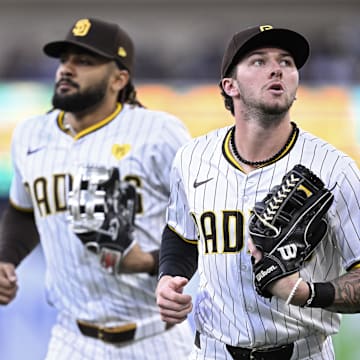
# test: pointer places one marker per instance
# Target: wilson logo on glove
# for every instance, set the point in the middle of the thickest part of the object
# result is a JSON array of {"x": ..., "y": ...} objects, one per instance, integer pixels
[
  {"x": 288, "y": 252},
  {"x": 262, "y": 273}
]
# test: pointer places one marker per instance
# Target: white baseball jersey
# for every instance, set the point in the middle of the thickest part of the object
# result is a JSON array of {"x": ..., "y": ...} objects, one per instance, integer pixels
[
  {"x": 210, "y": 203},
  {"x": 142, "y": 144}
]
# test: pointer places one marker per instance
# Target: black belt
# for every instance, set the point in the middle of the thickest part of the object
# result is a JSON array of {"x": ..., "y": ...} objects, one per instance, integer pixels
[
  {"x": 238, "y": 353},
  {"x": 276, "y": 353},
  {"x": 112, "y": 335}
]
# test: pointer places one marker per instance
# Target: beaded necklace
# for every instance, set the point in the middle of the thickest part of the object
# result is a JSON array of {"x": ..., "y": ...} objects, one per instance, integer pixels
[{"x": 261, "y": 163}]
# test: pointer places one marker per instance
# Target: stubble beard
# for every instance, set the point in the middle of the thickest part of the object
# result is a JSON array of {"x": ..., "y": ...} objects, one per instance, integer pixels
[{"x": 267, "y": 114}]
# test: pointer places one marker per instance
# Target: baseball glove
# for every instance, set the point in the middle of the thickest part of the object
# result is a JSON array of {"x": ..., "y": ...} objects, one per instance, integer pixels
[
  {"x": 101, "y": 213},
  {"x": 288, "y": 225}
]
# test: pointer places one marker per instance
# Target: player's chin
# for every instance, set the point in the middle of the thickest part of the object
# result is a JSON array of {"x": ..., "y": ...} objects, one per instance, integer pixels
[{"x": 278, "y": 105}]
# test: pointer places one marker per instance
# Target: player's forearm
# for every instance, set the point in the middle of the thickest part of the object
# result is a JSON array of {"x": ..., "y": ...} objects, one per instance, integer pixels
[
  {"x": 18, "y": 235},
  {"x": 177, "y": 257},
  {"x": 347, "y": 293},
  {"x": 138, "y": 261},
  {"x": 341, "y": 295},
  {"x": 282, "y": 289}
]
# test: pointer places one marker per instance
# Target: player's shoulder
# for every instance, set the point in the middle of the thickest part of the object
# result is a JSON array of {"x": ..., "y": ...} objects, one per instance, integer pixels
[
  {"x": 155, "y": 117},
  {"x": 210, "y": 140},
  {"x": 324, "y": 157},
  {"x": 34, "y": 122},
  {"x": 320, "y": 148},
  {"x": 156, "y": 127}
]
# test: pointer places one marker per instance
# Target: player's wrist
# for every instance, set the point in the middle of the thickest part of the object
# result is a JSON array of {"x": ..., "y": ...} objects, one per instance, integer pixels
[
  {"x": 137, "y": 261},
  {"x": 299, "y": 293},
  {"x": 292, "y": 289},
  {"x": 321, "y": 295},
  {"x": 154, "y": 269},
  {"x": 305, "y": 294}
]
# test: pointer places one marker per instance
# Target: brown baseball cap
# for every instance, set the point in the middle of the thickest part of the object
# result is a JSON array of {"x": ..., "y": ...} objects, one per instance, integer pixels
[
  {"x": 264, "y": 35},
  {"x": 100, "y": 37}
]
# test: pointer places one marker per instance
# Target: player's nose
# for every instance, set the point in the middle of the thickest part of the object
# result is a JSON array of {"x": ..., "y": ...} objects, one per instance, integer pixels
[
  {"x": 66, "y": 66},
  {"x": 276, "y": 72}
]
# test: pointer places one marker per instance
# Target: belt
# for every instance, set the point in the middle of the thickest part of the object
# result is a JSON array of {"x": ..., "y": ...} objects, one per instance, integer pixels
[
  {"x": 112, "y": 335},
  {"x": 115, "y": 334},
  {"x": 238, "y": 353},
  {"x": 275, "y": 353}
]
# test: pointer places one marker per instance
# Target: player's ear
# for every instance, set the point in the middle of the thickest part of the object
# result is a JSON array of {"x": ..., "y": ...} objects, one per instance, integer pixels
[
  {"x": 230, "y": 86},
  {"x": 120, "y": 79}
]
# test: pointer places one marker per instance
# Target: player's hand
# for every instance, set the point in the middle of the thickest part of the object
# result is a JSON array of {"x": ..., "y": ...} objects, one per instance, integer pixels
[
  {"x": 282, "y": 288},
  {"x": 8, "y": 283},
  {"x": 174, "y": 305},
  {"x": 254, "y": 251}
]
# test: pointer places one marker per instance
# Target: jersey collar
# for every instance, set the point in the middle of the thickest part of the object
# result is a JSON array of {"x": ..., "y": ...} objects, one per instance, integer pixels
[
  {"x": 98, "y": 125},
  {"x": 229, "y": 156}
]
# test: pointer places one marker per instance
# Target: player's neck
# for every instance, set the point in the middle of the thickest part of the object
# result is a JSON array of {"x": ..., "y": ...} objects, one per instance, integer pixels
[
  {"x": 80, "y": 121},
  {"x": 254, "y": 146}
]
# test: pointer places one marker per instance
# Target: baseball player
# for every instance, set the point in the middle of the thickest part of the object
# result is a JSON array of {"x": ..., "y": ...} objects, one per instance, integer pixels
[
  {"x": 96, "y": 123},
  {"x": 216, "y": 180}
]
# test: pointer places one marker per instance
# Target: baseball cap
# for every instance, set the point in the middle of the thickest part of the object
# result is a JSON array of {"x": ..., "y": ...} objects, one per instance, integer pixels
[
  {"x": 100, "y": 37},
  {"x": 264, "y": 35}
]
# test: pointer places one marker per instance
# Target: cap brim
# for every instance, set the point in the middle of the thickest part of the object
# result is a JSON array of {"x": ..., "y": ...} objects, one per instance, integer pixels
[
  {"x": 285, "y": 39},
  {"x": 56, "y": 48}
]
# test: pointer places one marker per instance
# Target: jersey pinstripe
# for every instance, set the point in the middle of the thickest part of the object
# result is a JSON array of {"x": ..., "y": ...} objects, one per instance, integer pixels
[
  {"x": 210, "y": 203},
  {"x": 142, "y": 144}
]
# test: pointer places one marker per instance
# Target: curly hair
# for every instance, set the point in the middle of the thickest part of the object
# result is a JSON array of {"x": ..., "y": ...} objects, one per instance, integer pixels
[{"x": 128, "y": 95}]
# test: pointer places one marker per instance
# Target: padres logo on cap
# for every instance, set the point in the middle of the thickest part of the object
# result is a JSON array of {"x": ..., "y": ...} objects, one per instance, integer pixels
[
  {"x": 81, "y": 27},
  {"x": 265, "y": 27}
]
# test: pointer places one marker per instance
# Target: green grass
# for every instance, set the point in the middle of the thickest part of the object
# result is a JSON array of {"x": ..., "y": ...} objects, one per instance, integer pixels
[{"x": 346, "y": 342}]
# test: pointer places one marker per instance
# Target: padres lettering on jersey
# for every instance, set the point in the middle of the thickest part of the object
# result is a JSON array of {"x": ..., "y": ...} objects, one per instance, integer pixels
[
  {"x": 222, "y": 234},
  {"x": 49, "y": 195}
]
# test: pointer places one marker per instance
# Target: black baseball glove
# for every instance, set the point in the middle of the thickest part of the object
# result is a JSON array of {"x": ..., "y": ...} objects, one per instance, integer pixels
[
  {"x": 288, "y": 225},
  {"x": 101, "y": 213}
]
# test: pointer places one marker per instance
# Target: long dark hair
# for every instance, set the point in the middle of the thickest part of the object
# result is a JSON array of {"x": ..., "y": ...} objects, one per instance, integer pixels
[{"x": 127, "y": 95}]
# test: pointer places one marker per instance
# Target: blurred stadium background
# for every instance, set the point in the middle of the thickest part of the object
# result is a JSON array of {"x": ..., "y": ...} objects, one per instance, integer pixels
[{"x": 179, "y": 45}]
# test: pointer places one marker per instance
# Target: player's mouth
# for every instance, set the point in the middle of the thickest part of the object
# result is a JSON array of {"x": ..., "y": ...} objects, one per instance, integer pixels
[
  {"x": 276, "y": 88},
  {"x": 64, "y": 85}
]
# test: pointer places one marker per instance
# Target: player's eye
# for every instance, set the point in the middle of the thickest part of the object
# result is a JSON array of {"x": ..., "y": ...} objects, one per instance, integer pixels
[
  {"x": 85, "y": 60},
  {"x": 288, "y": 61},
  {"x": 63, "y": 59},
  {"x": 258, "y": 62}
]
